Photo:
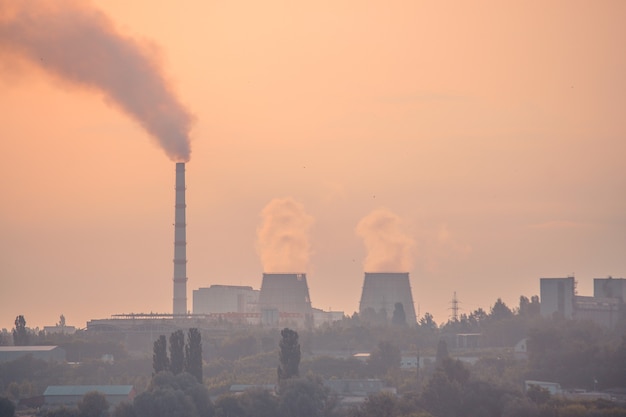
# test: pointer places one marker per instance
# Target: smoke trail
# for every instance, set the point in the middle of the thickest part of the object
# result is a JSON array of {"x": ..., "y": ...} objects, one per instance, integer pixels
[
  {"x": 74, "y": 41},
  {"x": 283, "y": 236},
  {"x": 389, "y": 248}
]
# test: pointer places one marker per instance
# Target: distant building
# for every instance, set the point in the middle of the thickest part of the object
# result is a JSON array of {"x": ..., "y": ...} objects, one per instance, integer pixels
[
  {"x": 57, "y": 329},
  {"x": 558, "y": 296},
  {"x": 610, "y": 288},
  {"x": 409, "y": 362},
  {"x": 225, "y": 299},
  {"x": 320, "y": 317},
  {"x": 241, "y": 388},
  {"x": 355, "y": 391},
  {"x": 70, "y": 395},
  {"x": 520, "y": 350},
  {"x": 553, "y": 387},
  {"x": 46, "y": 353}
]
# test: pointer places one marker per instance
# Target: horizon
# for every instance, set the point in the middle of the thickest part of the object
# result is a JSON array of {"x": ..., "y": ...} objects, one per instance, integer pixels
[{"x": 478, "y": 146}]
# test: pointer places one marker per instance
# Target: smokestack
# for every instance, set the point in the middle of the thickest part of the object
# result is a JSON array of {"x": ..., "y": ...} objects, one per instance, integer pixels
[{"x": 180, "y": 244}]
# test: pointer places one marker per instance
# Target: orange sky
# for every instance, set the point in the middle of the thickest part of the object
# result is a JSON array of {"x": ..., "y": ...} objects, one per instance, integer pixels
[{"x": 494, "y": 130}]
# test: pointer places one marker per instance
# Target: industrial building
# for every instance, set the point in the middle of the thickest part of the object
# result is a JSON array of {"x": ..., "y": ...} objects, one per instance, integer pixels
[
  {"x": 284, "y": 298},
  {"x": 605, "y": 307},
  {"x": 382, "y": 290},
  {"x": 46, "y": 353},
  {"x": 218, "y": 299},
  {"x": 71, "y": 395}
]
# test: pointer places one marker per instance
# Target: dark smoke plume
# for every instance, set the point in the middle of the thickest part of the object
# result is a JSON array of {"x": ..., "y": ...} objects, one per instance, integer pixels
[{"x": 73, "y": 40}]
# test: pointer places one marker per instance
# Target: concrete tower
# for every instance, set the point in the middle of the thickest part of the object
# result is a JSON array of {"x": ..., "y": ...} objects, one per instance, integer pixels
[
  {"x": 382, "y": 290},
  {"x": 180, "y": 244},
  {"x": 285, "y": 295}
]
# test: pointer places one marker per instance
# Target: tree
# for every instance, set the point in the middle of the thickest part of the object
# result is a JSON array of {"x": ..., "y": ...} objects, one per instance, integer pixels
[
  {"x": 93, "y": 404},
  {"x": 428, "y": 322},
  {"x": 20, "y": 334},
  {"x": 304, "y": 397},
  {"x": 160, "y": 361},
  {"x": 7, "y": 408},
  {"x": 442, "y": 352},
  {"x": 289, "y": 355},
  {"x": 177, "y": 352},
  {"x": 229, "y": 406},
  {"x": 381, "y": 404},
  {"x": 193, "y": 354},
  {"x": 500, "y": 311},
  {"x": 385, "y": 357},
  {"x": 259, "y": 403},
  {"x": 399, "y": 316}
]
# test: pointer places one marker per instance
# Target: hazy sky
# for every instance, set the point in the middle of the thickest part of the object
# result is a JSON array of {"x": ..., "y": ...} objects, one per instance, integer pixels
[{"x": 490, "y": 135}]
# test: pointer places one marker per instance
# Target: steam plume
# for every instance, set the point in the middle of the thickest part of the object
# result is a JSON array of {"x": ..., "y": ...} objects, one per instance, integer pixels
[
  {"x": 74, "y": 41},
  {"x": 389, "y": 248},
  {"x": 283, "y": 236}
]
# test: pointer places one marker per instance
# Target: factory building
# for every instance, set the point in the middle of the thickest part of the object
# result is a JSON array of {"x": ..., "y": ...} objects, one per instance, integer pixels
[
  {"x": 46, "y": 353},
  {"x": 382, "y": 290},
  {"x": 557, "y": 296},
  {"x": 605, "y": 307},
  {"x": 610, "y": 288},
  {"x": 219, "y": 299}
]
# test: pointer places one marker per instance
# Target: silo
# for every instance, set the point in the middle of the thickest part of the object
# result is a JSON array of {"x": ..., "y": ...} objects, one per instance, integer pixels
[{"x": 382, "y": 290}]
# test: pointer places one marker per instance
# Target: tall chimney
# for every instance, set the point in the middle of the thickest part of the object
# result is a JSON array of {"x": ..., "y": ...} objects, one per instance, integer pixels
[{"x": 180, "y": 244}]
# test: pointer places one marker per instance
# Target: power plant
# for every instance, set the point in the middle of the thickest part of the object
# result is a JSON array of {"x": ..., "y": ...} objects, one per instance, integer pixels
[
  {"x": 381, "y": 292},
  {"x": 180, "y": 244},
  {"x": 284, "y": 298}
]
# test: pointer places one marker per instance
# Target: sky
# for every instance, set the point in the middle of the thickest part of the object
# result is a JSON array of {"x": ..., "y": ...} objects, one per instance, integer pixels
[{"x": 484, "y": 142}]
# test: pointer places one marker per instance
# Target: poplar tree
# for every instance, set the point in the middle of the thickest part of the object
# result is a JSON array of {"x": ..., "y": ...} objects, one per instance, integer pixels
[
  {"x": 160, "y": 361},
  {"x": 177, "y": 352},
  {"x": 289, "y": 355},
  {"x": 20, "y": 334},
  {"x": 193, "y": 354}
]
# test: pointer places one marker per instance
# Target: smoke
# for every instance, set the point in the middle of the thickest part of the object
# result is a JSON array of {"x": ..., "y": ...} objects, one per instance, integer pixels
[
  {"x": 283, "y": 236},
  {"x": 74, "y": 41},
  {"x": 389, "y": 247}
]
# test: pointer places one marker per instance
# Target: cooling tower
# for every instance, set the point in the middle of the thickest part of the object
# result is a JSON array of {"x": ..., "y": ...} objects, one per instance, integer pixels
[
  {"x": 180, "y": 244},
  {"x": 286, "y": 294},
  {"x": 382, "y": 290}
]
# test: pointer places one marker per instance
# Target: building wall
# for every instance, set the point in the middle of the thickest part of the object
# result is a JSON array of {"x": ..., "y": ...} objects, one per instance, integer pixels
[
  {"x": 604, "y": 311},
  {"x": 224, "y": 299},
  {"x": 320, "y": 317},
  {"x": 609, "y": 288},
  {"x": 557, "y": 296},
  {"x": 46, "y": 353}
]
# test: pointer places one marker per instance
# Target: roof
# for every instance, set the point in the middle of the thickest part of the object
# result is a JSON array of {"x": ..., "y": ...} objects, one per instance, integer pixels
[
  {"x": 245, "y": 387},
  {"x": 81, "y": 390},
  {"x": 27, "y": 348}
]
